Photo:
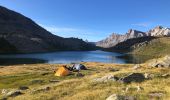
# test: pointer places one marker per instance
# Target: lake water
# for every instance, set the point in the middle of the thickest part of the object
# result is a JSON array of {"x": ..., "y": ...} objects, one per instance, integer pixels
[{"x": 69, "y": 57}]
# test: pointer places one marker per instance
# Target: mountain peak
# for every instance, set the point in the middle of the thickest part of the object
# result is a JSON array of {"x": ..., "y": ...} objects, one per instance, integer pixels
[{"x": 158, "y": 27}]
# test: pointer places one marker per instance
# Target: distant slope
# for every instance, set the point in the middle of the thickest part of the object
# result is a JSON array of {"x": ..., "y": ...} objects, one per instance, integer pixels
[
  {"x": 158, "y": 47},
  {"x": 26, "y": 36},
  {"x": 130, "y": 44},
  {"x": 152, "y": 46}
]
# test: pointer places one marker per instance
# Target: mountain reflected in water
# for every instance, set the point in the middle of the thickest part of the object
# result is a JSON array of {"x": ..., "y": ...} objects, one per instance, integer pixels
[{"x": 71, "y": 57}]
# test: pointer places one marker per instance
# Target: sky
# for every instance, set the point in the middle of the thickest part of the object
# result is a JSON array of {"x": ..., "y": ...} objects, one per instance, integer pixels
[{"x": 93, "y": 19}]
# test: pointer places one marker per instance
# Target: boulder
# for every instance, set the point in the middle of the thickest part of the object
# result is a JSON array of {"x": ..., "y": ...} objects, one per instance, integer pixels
[
  {"x": 23, "y": 88},
  {"x": 14, "y": 93},
  {"x": 4, "y": 91},
  {"x": 120, "y": 97},
  {"x": 156, "y": 95},
  {"x": 106, "y": 78},
  {"x": 137, "y": 66},
  {"x": 43, "y": 89},
  {"x": 161, "y": 63},
  {"x": 165, "y": 75},
  {"x": 134, "y": 77}
]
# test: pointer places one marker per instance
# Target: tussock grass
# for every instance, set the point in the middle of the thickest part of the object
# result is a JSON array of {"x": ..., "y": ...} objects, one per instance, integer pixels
[{"x": 84, "y": 88}]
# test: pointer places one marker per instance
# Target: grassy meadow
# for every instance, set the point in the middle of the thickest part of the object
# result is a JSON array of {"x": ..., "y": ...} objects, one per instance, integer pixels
[{"x": 81, "y": 88}]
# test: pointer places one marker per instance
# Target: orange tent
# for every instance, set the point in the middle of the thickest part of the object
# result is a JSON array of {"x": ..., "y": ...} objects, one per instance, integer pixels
[{"x": 62, "y": 71}]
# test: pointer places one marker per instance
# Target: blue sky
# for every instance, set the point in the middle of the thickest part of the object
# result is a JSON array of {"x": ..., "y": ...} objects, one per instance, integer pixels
[{"x": 93, "y": 19}]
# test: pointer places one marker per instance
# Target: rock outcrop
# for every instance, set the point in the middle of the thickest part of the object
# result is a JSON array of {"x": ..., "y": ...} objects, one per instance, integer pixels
[
  {"x": 120, "y": 97},
  {"x": 115, "y": 39},
  {"x": 161, "y": 62},
  {"x": 159, "y": 31},
  {"x": 134, "y": 77}
]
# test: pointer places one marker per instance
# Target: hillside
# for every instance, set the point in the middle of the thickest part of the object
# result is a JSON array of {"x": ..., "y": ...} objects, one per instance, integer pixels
[
  {"x": 152, "y": 46},
  {"x": 157, "y": 47},
  {"x": 26, "y": 36}
]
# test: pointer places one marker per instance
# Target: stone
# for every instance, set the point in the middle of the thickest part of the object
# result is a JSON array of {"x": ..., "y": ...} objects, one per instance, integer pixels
[
  {"x": 106, "y": 78},
  {"x": 14, "y": 93},
  {"x": 136, "y": 88},
  {"x": 139, "y": 88},
  {"x": 4, "y": 91},
  {"x": 23, "y": 88},
  {"x": 44, "y": 89},
  {"x": 137, "y": 66},
  {"x": 165, "y": 75},
  {"x": 148, "y": 76},
  {"x": 161, "y": 63},
  {"x": 134, "y": 77},
  {"x": 120, "y": 97},
  {"x": 115, "y": 97},
  {"x": 155, "y": 95}
]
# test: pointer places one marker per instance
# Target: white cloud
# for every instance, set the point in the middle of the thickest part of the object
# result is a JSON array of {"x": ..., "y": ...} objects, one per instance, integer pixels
[{"x": 73, "y": 32}]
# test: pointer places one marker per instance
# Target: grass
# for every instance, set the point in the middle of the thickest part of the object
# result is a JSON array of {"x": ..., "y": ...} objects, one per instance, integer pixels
[
  {"x": 76, "y": 88},
  {"x": 157, "y": 48}
]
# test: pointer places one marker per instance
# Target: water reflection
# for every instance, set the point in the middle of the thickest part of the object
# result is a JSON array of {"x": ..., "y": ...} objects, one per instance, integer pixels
[{"x": 70, "y": 57}]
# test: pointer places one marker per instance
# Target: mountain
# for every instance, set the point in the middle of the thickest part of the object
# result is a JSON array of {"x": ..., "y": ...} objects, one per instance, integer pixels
[
  {"x": 114, "y": 39},
  {"x": 154, "y": 47},
  {"x": 22, "y": 35},
  {"x": 159, "y": 31}
]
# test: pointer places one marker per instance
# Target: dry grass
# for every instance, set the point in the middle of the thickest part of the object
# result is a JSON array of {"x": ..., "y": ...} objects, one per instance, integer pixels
[{"x": 74, "y": 88}]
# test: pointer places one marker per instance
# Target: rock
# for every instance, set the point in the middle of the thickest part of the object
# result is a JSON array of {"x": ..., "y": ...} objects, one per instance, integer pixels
[
  {"x": 4, "y": 91},
  {"x": 106, "y": 78},
  {"x": 120, "y": 97},
  {"x": 161, "y": 63},
  {"x": 137, "y": 66},
  {"x": 115, "y": 97},
  {"x": 37, "y": 81},
  {"x": 44, "y": 89},
  {"x": 137, "y": 89},
  {"x": 23, "y": 88},
  {"x": 148, "y": 76},
  {"x": 79, "y": 75},
  {"x": 134, "y": 77},
  {"x": 165, "y": 75},
  {"x": 157, "y": 95},
  {"x": 14, "y": 93}
]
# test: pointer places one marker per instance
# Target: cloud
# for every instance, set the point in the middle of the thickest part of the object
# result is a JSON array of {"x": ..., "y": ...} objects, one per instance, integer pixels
[
  {"x": 90, "y": 35},
  {"x": 146, "y": 24},
  {"x": 55, "y": 29}
]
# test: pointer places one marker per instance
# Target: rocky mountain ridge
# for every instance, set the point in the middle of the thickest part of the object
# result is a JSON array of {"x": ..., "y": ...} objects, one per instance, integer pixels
[{"x": 114, "y": 39}]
